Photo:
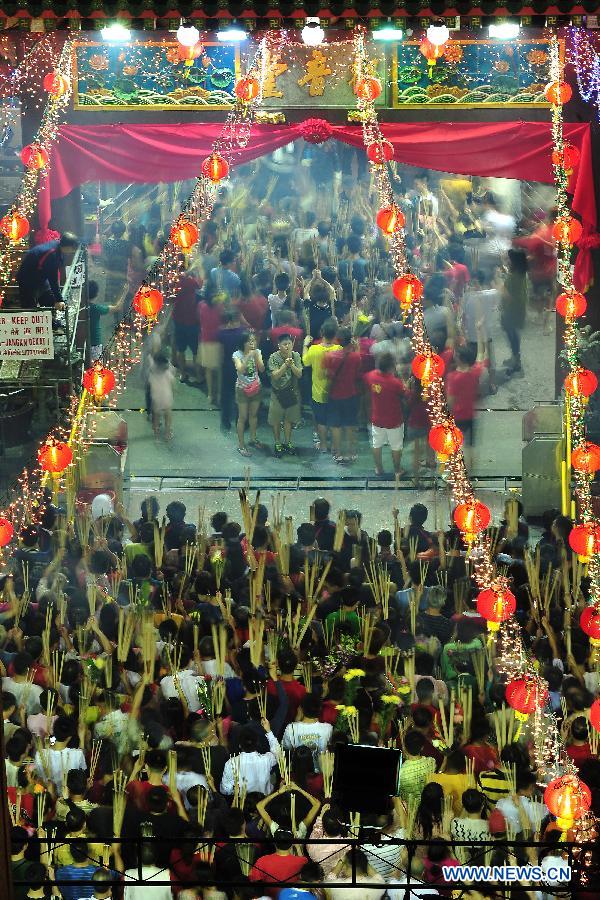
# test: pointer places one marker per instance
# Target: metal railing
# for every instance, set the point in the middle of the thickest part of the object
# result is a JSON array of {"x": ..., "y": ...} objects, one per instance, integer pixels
[{"x": 582, "y": 858}]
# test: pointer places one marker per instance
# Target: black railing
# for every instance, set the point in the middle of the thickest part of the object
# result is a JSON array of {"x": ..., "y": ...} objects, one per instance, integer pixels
[{"x": 582, "y": 858}]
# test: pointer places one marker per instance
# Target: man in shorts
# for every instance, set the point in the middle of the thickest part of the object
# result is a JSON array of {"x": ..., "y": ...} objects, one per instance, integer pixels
[
  {"x": 387, "y": 393},
  {"x": 185, "y": 323},
  {"x": 285, "y": 369}
]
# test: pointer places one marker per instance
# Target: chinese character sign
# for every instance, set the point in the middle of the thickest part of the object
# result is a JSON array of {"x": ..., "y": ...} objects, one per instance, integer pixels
[{"x": 26, "y": 335}]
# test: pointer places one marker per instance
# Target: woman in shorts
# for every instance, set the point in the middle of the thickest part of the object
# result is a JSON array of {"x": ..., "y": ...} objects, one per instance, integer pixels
[{"x": 248, "y": 363}]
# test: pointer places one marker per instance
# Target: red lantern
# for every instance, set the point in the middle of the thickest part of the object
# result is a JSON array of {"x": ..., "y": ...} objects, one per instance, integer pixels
[
  {"x": 496, "y": 606},
  {"x": 586, "y": 458},
  {"x": 148, "y": 302},
  {"x": 431, "y": 52},
  {"x": 581, "y": 383},
  {"x": 567, "y": 230},
  {"x": 567, "y": 798},
  {"x": 472, "y": 517},
  {"x": 98, "y": 381},
  {"x": 558, "y": 92},
  {"x": 571, "y": 305},
  {"x": 407, "y": 290},
  {"x": 426, "y": 367},
  {"x": 184, "y": 234},
  {"x": 595, "y": 715},
  {"x": 6, "y": 531},
  {"x": 14, "y": 226},
  {"x": 380, "y": 152},
  {"x": 585, "y": 540},
  {"x": 54, "y": 456},
  {"x": 567, "y": 158},
  {"x": 368, "y": 89},
  {"x": 34, "y": 157},
  {"x": 589, "y": 622},
  {"x": 525, "y": 695},
  {"x": 247, "y": 89},
  {"x": 390, "y": 219},
  {"x": 215, "y": 168},
  {"x": 56, "y": 84},
  {"x": 445, "y": 439}
]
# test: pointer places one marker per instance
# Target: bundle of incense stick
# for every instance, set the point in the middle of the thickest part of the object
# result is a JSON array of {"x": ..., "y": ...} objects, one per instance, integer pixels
[
  {"x": 245, "y": 858},
  {"x": 536, "y": 811},
  {"x": 282, "y": 549},
  {"x": 367, "y": 627},
  {"x": 219, "y": 636},
  {"x": 459, "y": 589},
  {"x": 91, "y": 599},
  {"x": 465, "y": 698},
  {"x": 239, "y": 799},
  {"x": 118, "y": 576},
  {"x": 273, "y": 645},
  {"x": 84, "y": 703},
  {"x": 307, "y": 673},
  {"x": 443, "y": 554},
  {"x": 172, "y": 770},
  {"x": 217, "y": 696},
  {"x": 283, "y": 763},
  {"x": 46, "y": 636},
  {"x": 300, "y": 628},
  {"x": 504, "y": 726},
  {"x": 119, "y": 801},
  {"x": 202, "y": 797},
  {"x": 15, "y": 811},
  {"x": 94, "y": 757},
  {"x": 249, "y": 514},
  {"x": 511, "y": 513},
  {"x": 256, "y": 630},
  {"x": 256, "y": 579},
  {"x": 80, "y": 634},
  {"x": 277, "y": 510},
  {"x": 413, "y": 544},
  {"x": 510, "y": 774},
  {"x": 44, "y": 756},
  {"x": 470, "y": 771},
  {"x": 49, "y": 711},
  {"x": 326, "y": 762},
  {"x": 479, "y": 664},
  {"x": 409, "y": 669},
  {"x": 353, "y": 726},
  {"x": 174, "y": 658},
  {"x": 442, "y": 579},
  {"x": 190, "y": 554},
  {"x": 414, "y": 600},
  {"x": 57, "y": 663},
  {"x": 568, "y": 631},
  {"x": 125, "y": 632},
  {"x": 62, "y": 607},
  {"x": 28, "y": 684},
  {"x": 492, "y": 536},
  {"x": 392, "y": 661},
  {"x": 41, "y": 806},
  {"x": 340, "y": 526},
  {"x": 593, "y": 739},
  {"x": 410, "y": 816},
  {"x": 447, "y": 722},
  {"x": 23, "y": 604},
  {"x": 379, "y": 581},
  {"x": 261, "y": 699},
  {"x": 83, "y": 526},
  {"x": 312, "y": 587}
]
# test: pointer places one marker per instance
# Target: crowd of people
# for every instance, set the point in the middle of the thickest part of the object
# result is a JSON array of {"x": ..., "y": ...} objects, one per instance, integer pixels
[
  {"x": 174, "y": 693},
  {"x": 286, "y": 307}
]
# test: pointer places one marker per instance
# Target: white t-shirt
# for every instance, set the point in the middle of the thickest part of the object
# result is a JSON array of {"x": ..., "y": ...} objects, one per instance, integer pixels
[
  {"x": 18, "y": 688},
  {"x": 314, "y": 735},
  {"x": 480, "y": 307},
  {"x": 141, "y": 892},
  {"x": 59, "y": 764},
  {"x": 188, "y": 683}
]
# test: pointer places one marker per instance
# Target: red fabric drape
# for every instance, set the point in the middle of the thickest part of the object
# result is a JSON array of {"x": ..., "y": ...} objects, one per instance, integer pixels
[{"x": 147, "y": 153}]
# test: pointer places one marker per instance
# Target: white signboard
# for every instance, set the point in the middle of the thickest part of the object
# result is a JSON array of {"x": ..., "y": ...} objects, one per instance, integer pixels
[{"x": 26, "y": 335}]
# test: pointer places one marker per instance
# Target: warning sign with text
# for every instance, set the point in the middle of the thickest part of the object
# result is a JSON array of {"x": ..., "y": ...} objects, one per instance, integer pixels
[{"x": 26, "y": 335}]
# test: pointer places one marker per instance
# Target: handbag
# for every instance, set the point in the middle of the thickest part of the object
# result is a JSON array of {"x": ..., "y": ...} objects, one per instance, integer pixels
[
  {"x": 252, "y": 389},
  {"x": 287, "y": 396}
]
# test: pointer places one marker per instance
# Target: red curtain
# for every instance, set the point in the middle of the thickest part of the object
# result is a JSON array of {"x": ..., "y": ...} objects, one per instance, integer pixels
[{"x": 148, "y": 153}]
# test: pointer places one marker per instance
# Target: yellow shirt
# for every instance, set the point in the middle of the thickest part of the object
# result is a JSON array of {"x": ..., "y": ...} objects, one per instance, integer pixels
[
  {"x": 313, "y": 356},
  {"x": 453, "y": 785}
]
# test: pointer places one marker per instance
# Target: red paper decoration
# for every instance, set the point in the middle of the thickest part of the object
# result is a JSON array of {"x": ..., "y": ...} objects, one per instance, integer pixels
[
  {"x": 6, "y": 531},
  {"x": 472, "y": 518},
  {"x": 98, "y": 381},
  {"x": 390, "y": 219},
  {"x": 567, "y": 798},
  {"x": 368, "y": 88},
  {"x": 407, "y": 290},
  {"x": 558, "y": 92},
  {"x": 445, "y": 439},
  {"x": 525, "y": 695},
  {"x": 567, "y": 158},
  {"x": 184, "y": 234},
  {"x": 56, "y": 84},
  {"x": 571, "y": 304},
  {"x": 581, "y": 383},
  {"x": 431, "y": 52},
  {"x": 34, "y": 157},
  {"x": 54, "y": 456},
  {"x": 496, "y": 606},
  {"x": 247, "y": 89},
  {"x": 567, "y": 230},
  {"x": 148, "y": 302},
  {"x": 586, "y": 458},
  {"x": 14, "y": 226},
  {"x": 215, "y": 167},
  {"x": 380, "y": 152},
  {"x": 595, "y": 715},
  {"x": 189, "y": 54},
  {"x": 427, "y": 366},
  {"x": 584, "y": 540}
]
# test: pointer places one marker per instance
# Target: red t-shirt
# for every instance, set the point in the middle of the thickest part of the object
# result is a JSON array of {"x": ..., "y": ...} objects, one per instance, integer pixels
[
  {"x": 386, "y": 392},
  {"x": 276, "y": 868},
  {"x": 255, "y": 310},
  {"x": 579, "y": 753},
  {"x": 296, "y": 334},
  {"x": 295, "y": 693},
  {"x": 457, "y": 277},
  {"x": 344, "y": 371},
  {"x": 462, "y": 389},
  {"x": 210, "y": 322},
  {"x": 138, "y": 792},
  {"x": 329, "y": 713},
  {"x": 484, "y": 757},
  {"x": 185, "y": 302}
]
